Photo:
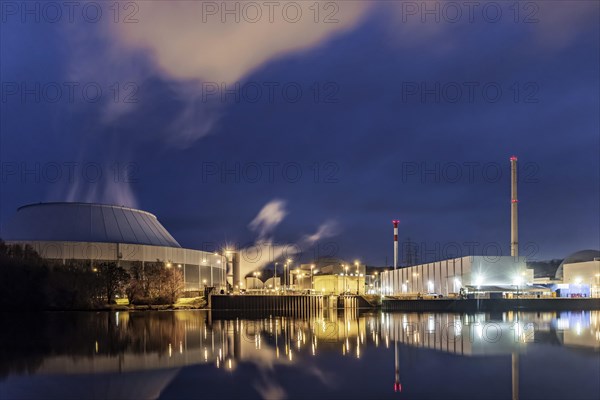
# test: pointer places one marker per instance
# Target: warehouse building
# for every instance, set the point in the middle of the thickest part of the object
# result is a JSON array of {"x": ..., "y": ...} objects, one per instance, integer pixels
[
  {"x": 90, "y": 233},
  {"x": 465, "y": 274}
]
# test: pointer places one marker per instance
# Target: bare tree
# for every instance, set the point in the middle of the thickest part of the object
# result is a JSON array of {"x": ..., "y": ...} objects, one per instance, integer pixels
[{"x": 113, "y": 279}]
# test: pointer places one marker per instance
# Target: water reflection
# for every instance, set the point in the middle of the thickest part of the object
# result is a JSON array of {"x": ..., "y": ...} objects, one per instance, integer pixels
[{"x": 161, "y": 343}]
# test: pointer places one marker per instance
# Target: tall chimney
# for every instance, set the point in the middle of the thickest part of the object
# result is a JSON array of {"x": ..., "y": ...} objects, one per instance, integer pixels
[
  {"x": 395, "y": 222},
  {"x": 514, "y": 203},
  {"x": 235, "y": 266}
]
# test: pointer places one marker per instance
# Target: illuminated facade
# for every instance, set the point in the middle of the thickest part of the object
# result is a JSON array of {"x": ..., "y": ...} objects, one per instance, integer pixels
[
  {"x": 450, "y": 276},
  {"x": 585, "y": 275},
  {"x": 331, "y": 276}
]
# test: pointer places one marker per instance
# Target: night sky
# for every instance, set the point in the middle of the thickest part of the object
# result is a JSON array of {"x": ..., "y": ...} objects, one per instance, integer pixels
[{"x": 376, "y": 111}]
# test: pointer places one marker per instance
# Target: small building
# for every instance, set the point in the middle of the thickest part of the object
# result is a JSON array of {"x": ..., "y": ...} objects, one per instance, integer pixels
[{"x": 331, "y": 276}]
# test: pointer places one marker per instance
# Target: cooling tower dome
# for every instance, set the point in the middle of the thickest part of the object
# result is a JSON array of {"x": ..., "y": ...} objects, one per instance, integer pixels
[
  {"x": 86, "y": 234},
  {"x": 579, "y": 256},
  {"x": 87, "y": 222}
]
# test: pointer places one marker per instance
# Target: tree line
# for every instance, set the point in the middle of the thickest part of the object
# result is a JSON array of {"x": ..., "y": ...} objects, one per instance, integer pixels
[{"x": 28, "y": 281}]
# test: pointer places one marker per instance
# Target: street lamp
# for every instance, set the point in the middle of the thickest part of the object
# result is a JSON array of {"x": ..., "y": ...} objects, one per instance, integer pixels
[
  {"x": 256, "y": 275},
  {"x": 356, "y": 263},
  {"x": 375, "y": 280},
  {"x": 312, "y": 267},
  {"x": 287, "y": 275},
  {"x": 345, "y": 279},
  {"x": 297, "y": 270},
  {"x": 518, "y": 281}
]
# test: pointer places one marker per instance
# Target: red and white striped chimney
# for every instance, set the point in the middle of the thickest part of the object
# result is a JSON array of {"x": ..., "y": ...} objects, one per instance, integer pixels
[{"x": 395, "y": 222}]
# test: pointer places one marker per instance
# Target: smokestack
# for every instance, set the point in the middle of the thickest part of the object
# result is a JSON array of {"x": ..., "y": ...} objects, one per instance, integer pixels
[
  {"x": 514, "y": 202},
  {"x": 235, "y": 263},
  {"x": 395, "y": 222}
]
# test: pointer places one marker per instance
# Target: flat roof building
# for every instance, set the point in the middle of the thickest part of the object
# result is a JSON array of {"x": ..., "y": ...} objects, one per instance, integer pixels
[{"x": 450, "y": 276}]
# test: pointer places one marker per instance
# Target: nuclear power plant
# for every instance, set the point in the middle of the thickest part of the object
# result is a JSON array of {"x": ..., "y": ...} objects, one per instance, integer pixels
[
  {"x": 482, "y": 274},
  {"x": 493, "y": 276},
  {"x": 89, "y": 234}
]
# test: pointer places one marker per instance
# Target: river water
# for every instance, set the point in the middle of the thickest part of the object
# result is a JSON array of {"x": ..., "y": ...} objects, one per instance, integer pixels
[{"x": 341, "y": 355}]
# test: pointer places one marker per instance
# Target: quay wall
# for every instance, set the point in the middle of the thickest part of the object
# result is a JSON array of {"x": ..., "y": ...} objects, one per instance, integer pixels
[{"x": 475, "y": 305}]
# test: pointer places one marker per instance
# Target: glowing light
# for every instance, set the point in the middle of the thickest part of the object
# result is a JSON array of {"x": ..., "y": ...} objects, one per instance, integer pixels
[
  {"x": 478, "y": 280},
  {"x": 578, "y": 280},
  {"x": 518, "y": 280}
]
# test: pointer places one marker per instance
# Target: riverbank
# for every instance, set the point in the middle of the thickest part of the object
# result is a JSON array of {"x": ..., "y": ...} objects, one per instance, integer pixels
[
  {"x": 476, "y": 305},
  {"x": 185, "y": 303}
]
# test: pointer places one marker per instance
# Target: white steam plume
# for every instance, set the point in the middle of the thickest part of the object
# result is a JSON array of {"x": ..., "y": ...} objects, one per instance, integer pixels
[
  {"x": 268, "y": 218},
  {"x": 327, "y": 229}
]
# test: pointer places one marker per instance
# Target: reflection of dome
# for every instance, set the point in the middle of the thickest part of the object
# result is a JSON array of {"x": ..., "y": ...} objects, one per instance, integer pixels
[
  {"x": 579, "y": 256},
  {"x": 87, "y": 222}
]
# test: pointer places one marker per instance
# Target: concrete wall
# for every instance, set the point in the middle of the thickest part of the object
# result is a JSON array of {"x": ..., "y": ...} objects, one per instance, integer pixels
[{"x": 336, "y": 284}]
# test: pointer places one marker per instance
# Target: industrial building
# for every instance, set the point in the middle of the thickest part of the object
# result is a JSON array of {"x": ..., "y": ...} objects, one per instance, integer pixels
[
  {"x": 578, "y": 275},
  {"x": 447, "y": 277},
  {"x": 91, "y": 233},
  {"x": 332, "y": 276}
]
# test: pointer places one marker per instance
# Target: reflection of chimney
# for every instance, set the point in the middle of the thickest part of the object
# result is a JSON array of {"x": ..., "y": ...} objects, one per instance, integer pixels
[
  {"x": 514, "y": 228},
  {"x": 397, "y": 384},
  {"x": 515, "y": 375}
]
